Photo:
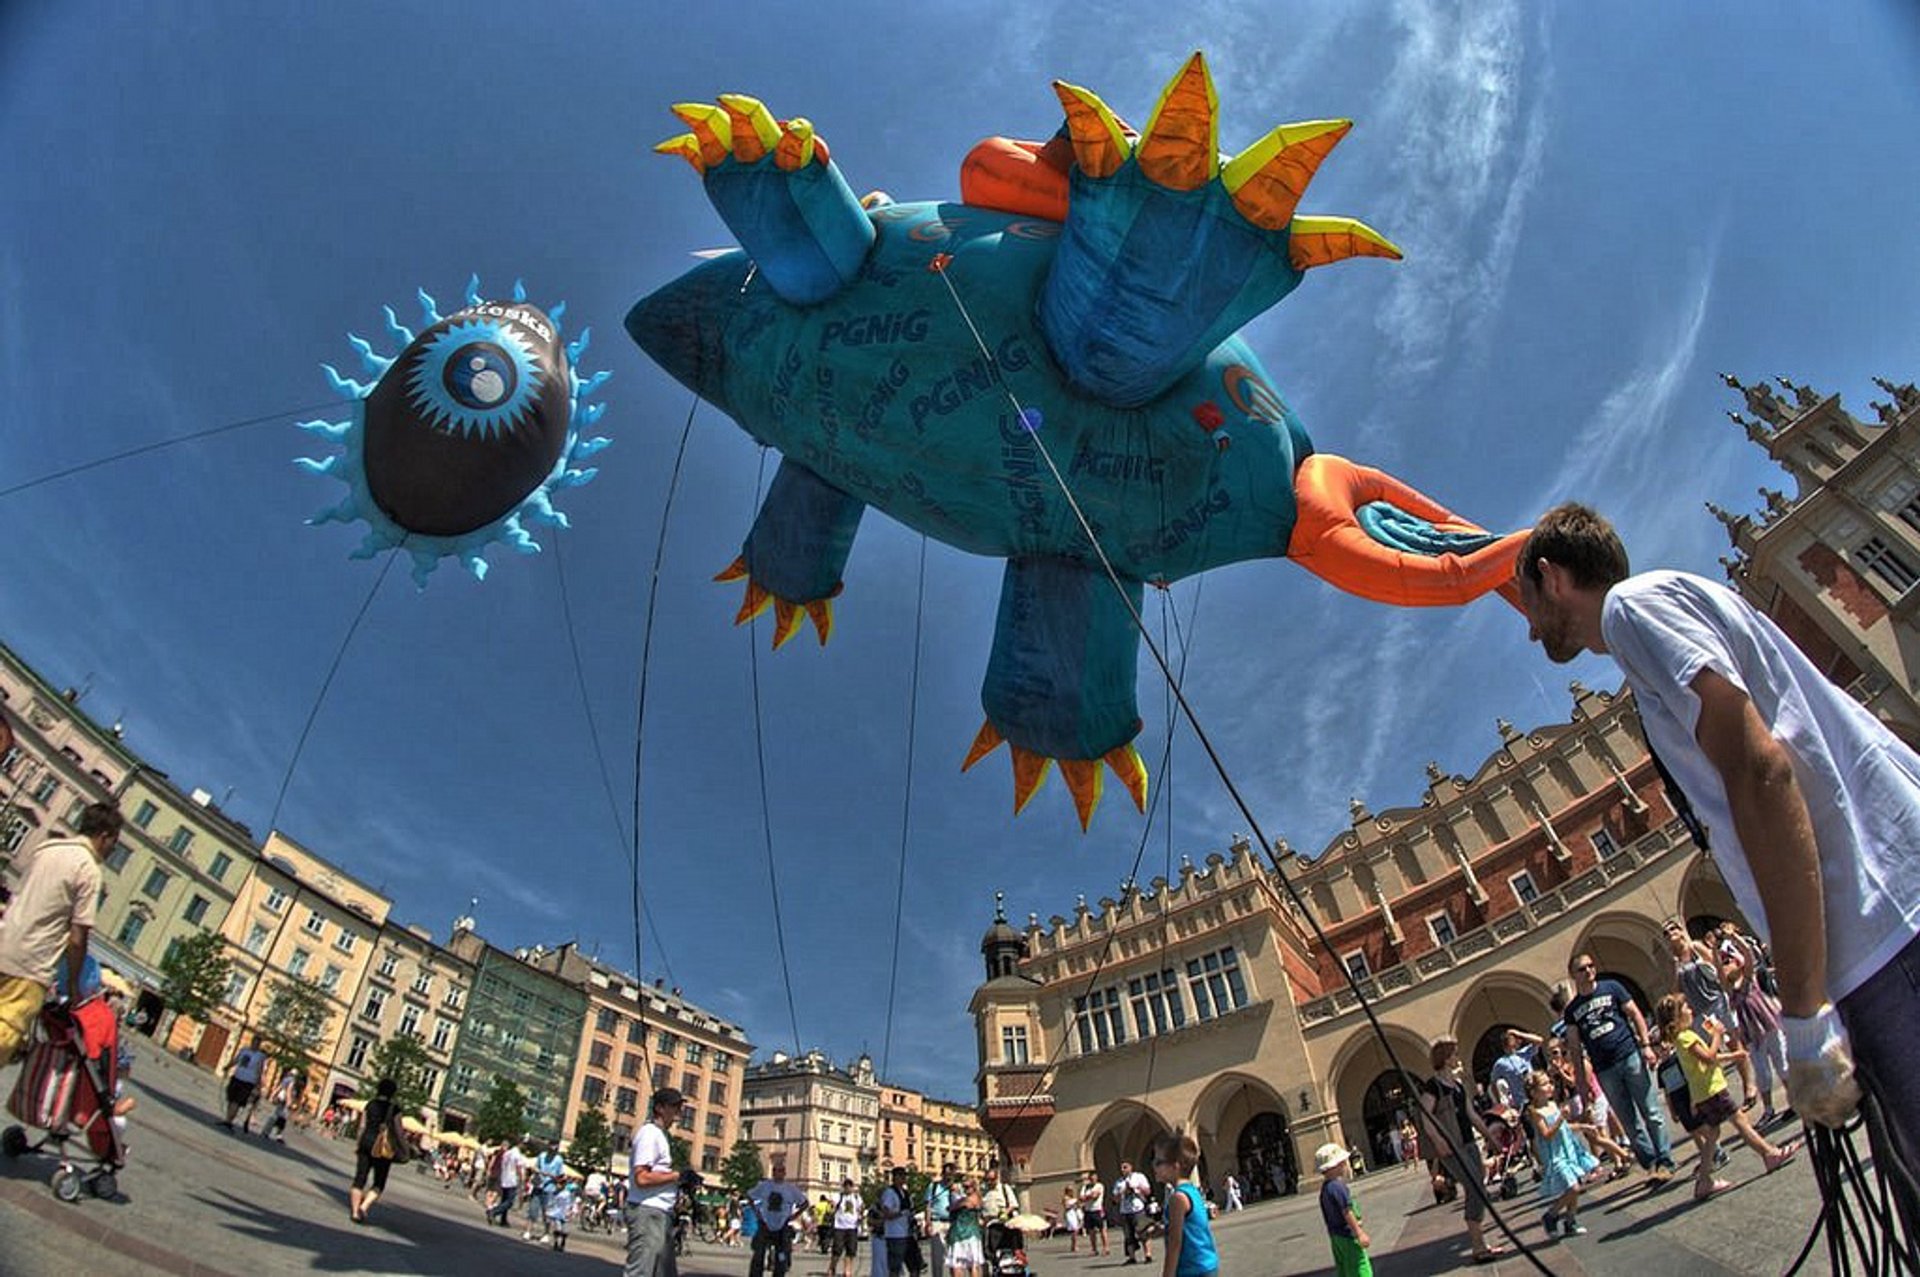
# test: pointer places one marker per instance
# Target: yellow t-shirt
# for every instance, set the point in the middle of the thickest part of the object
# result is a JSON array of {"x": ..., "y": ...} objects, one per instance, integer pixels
[{"x": 1704, "y": 1081}]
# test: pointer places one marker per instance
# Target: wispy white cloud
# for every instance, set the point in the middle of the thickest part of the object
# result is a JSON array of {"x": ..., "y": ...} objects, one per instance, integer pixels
[
  {"x": 1617, "y": 451},
  {"x": 1469, "y": 99}
]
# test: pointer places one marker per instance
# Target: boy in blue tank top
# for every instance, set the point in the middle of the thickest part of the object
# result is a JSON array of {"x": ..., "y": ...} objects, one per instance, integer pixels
[
  {"x": 1189, "y": 1248},
  {"x": 1349, "y": 1238}
]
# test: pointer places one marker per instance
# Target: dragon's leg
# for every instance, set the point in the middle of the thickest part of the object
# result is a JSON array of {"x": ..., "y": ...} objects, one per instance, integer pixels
[
  {"x": 1372, "y": 535},
  {"x": 796, "y": 552},
  {"x": 1060, "y": 684},
  {"x": 1170, "y": 247},
  {"x": 773, "y": 184}
]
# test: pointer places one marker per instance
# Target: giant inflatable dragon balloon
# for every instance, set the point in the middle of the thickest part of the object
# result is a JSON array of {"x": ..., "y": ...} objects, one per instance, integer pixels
[{"x": 1079, "y": 305}]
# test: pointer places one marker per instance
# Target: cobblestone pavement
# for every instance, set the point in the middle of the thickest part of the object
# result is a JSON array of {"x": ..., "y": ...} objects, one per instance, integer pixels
[{"x": 196, "y": 1200}]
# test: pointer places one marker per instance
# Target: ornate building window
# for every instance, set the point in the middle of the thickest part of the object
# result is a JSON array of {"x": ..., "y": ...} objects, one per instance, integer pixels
[
  {"x": 1157, "y": 1005},
  {"x": 1878, "y": 558},
  {"x": 1524, "y": 888},
  {"x": 1099, "y": 1020},
  {"x": 1215, "y": 983},
  {"x": 1442, "y": 928},
  {"x": 1013, "y": 1044}
]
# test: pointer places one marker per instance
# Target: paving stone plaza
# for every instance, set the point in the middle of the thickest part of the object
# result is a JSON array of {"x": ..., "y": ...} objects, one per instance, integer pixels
[{"x": 195, "y": 1200}]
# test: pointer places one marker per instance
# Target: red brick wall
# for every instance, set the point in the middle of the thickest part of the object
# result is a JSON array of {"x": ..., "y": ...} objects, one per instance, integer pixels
[{"x": 1847, "y": 586}]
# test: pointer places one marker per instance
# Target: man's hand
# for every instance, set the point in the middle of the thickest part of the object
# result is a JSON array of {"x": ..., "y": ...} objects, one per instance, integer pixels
[{"x": 1820, "y": 1082}]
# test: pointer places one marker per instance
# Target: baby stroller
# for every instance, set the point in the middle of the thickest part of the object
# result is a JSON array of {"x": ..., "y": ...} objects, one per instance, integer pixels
[
  {"x": 66, "y": 1088},
  {"x": 1509, "y": 1151},
  {"x": 1006, "y": 1249}
]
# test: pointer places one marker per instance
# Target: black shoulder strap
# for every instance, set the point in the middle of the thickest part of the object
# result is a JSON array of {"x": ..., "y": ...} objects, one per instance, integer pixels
[{"x": 1678, "y": 799}]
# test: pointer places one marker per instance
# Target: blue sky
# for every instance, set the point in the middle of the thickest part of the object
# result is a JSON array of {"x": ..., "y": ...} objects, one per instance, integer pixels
[{"x": 1602, "y": 208}]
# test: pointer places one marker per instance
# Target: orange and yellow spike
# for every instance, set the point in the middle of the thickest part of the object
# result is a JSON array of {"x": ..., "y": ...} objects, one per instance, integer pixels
[
  {"x": 755, "y": 132},
  {"x": 795, "y": 148},
  {"x": 820, "y": 611},
  {"x": 1085, "y": 780},
  {"x": 786, "y": 622},
  {"x": 1320, "y": 241},
  {"x": 1267, "y": 179},
  {"x": 1132, "y": 771},
  {"x": 985, "y": 742},
  {"x": 712, "y": 128},
  {"x": 1100, "y": 141},
  {"x": 686, "y": 146},
  {"x": 734, "y": 571},
  {"x": 1180, "y": 147},
  {"x": 1029, "y": 773},
  {"x": 756, "y": 602}
]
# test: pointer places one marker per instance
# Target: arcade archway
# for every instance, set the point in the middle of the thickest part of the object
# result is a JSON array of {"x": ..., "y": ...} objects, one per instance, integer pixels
[
  {"x": 1124, "y": 1132},
  {"x": 1244, "y": 1125},
  {"x": 1632, "y": 950},
  {"x": 1496, "y": 1002}
]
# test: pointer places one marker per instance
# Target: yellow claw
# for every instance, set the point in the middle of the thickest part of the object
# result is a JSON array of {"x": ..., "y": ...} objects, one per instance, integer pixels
[
  {"x": 1132, "y": 771},
  {"x": 1084, "y": 781},
  {"x": 1317, "y": 241},
  {"x": 795, "y": 150},
  {"x": 757, "y": 601},
  {"x": 1267, "y": 179},
  {"x": 1100, "y": 141},
  {"x": 734, "y": 571},
  {"x": 821, "y": 612},
  {"x": 1180, "y": 147},
  {"x": 712, "y": 128},
  {"x": 755, "y": 131},
  {"x": 786, "y": 622},
  {"x": 984, "y": 743},
  {"x": 1029, "y": 773},
  {"x": 687, "y": 147}
]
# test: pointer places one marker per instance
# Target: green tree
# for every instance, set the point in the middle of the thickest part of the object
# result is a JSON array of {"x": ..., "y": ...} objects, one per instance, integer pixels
[
  {"x": 682, "y": 1150},
  {"x": 592, "y": 1145},
  {"x": 503, "y": 1114},
  {"x": 917, "y": 1181},
  {"x": 194, "y": 975},
  {"x": 295, "y": 1022},
  {"x": 406, "y": 1061},
  {"x": 743, "y": 1167}
]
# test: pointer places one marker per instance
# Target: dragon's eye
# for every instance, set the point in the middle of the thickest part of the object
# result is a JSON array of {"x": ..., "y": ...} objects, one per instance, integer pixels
[{"x": 479, "y": 375}]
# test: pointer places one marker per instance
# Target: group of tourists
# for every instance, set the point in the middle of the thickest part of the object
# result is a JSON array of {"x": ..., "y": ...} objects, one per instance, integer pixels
[{"x": 1811, "y": 807}]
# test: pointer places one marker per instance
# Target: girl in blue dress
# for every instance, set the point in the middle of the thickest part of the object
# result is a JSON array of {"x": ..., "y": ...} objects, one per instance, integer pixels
[{"x": 1564, "y": 1160}]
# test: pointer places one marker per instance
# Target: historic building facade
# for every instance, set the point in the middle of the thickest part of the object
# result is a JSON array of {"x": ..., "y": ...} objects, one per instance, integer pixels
[
  {"x": 56, "y": 759},
  {"x": 295, "y": 918},
  {"x": 412, "y": 988},
  {"x": 637, "y": 1038},
  {"x": 823, "y": 1121},
  {"x": 1206, "y": 1003},
  {"x": 522, "y": 1024},
  {"x": 177, "y": 869}
]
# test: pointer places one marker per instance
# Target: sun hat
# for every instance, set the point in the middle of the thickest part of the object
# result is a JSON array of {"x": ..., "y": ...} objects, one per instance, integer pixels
[{"x": 1328, "y": 1156}]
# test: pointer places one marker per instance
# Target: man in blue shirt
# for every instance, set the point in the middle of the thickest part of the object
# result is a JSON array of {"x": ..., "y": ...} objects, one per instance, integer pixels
[
  {"x": 547, "y": 1171},
  {"x": 1609, "y": 1035},
  {"x": 940, "y": 1213}
]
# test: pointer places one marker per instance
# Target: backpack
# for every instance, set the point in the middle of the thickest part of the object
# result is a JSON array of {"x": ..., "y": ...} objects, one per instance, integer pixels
[{"x": 876, "y": 1217}]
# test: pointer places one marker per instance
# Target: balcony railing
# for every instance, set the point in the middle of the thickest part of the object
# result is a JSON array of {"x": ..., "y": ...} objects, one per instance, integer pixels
[{"x": 1509, "y": 928}]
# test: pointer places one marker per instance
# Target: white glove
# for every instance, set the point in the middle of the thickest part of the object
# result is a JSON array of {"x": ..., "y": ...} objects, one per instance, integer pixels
[{"x": 1820, "y": 1082}]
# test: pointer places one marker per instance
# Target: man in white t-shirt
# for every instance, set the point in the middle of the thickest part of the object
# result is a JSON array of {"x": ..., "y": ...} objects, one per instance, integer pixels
[
  {"x": 846, "y": 1231},
  {"x": 773, "y": 1201},
  {"x": 1810, "y": 805},
  {"x": 1131, "y": 1193},
  {"x": 512, "y": 1168},
  {"x": 652, "y": 1189},
  {"x": 50, "y": 917}
]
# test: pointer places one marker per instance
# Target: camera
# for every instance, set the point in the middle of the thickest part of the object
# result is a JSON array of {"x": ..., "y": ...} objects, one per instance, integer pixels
[{"x": 691, "y": 1181}]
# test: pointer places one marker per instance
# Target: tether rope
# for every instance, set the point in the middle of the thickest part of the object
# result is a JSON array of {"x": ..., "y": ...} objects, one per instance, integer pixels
[
  {"x": 627, "y": 851},
  {"x": 300, "y": 745},
  {"x": 1033, "y": 429},
  {"x": 766, "y": 815},
  {"x": 156, "y": 446},
  {"x": 906, "y": 803},
  {"x": 640, "y": 908}
]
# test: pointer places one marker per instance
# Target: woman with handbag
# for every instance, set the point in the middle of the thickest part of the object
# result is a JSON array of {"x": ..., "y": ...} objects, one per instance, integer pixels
[{"x": 381, "y": 1144}]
